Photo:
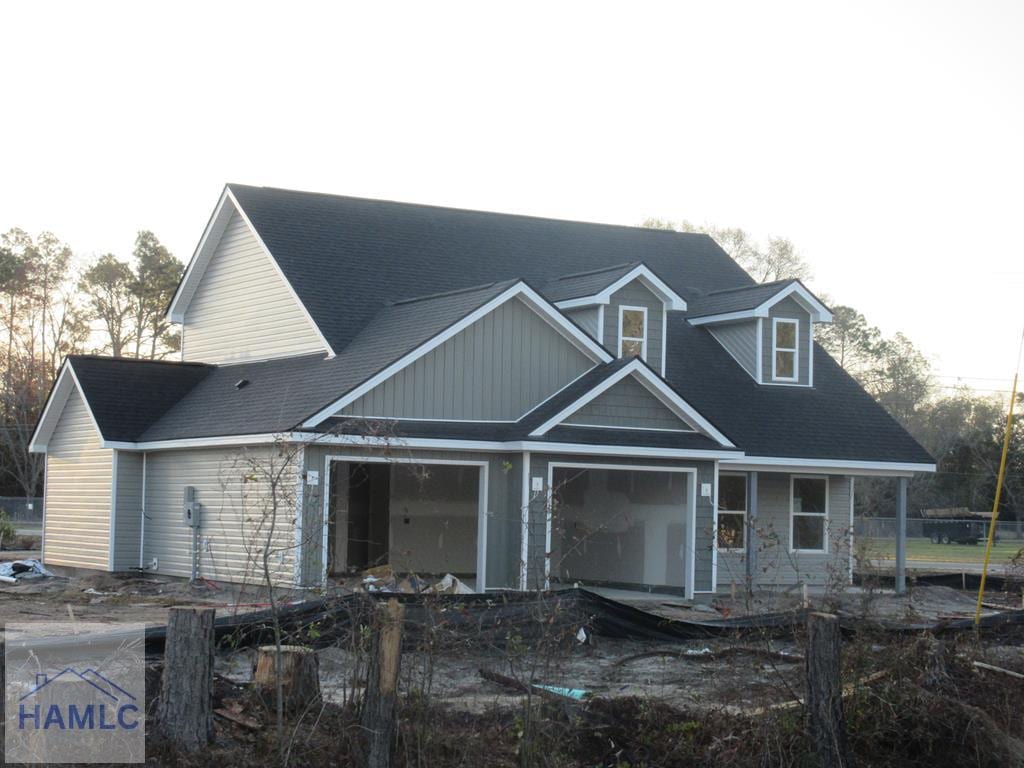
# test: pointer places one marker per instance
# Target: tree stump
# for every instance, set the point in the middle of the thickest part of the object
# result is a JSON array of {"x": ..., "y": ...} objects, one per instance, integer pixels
[
  {"x": 378, "y": 715},
  {"x": 185, "y": 707},
  {"x": 825, "y": 691},
  {"x": 300, "y": 676}
]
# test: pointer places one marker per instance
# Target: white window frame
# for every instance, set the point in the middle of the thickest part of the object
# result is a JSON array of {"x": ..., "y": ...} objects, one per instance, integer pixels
[
  {"x": 746, "y": 504},
  {"x": 776, "y": 321},
  {"x": 824, "y": 515},
  {"x": 643, "y": 340}
]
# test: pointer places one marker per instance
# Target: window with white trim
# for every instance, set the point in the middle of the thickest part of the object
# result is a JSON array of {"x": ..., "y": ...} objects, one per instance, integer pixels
[
  {"x": 785, "y": 354},
  {"x": 732, "y": 512},
  {"x": 633, "y": 332},
  {"x": 808, "y": 514}
]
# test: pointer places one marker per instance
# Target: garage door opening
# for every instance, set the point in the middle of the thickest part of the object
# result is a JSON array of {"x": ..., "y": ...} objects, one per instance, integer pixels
[
  {"x": 620, "y": 528},
  {"x": 421, "y": 519}
]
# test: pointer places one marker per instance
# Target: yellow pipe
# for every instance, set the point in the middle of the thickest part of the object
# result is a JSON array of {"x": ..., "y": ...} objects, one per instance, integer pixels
[{"x": 995, "y": 504}]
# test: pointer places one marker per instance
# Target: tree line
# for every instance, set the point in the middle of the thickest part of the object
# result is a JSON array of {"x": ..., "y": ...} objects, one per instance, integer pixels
[
  {"x": 52, "y": 306},
  {"x": 962, "y": 429}
]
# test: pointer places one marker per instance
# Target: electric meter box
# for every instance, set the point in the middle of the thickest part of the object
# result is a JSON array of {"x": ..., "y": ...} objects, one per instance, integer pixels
[{"x": 191, "y": 509}]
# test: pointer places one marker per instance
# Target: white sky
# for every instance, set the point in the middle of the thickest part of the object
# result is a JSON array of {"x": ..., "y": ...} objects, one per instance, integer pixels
[{"x": 884, "y": 139}]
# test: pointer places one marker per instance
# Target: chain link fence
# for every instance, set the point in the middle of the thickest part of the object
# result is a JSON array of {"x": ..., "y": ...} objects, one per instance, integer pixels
[
  {"x": 885, "y": 528},
  {"x": 22, "y": 510}
]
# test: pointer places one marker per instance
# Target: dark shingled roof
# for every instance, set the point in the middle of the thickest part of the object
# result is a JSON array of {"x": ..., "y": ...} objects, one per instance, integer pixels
[
  {"x": 374, "y": 251},
  {"x": 735, "y": 299},
  {"x": 126, "y": 396},
  {"x": 356, "y": 262},
  {"x": 834, "y": 419},
  {"x": 585, "y": 283}
]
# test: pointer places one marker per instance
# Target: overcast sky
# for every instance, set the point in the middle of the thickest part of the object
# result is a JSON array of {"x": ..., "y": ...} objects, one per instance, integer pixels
[{"x": 885, "y": 139}]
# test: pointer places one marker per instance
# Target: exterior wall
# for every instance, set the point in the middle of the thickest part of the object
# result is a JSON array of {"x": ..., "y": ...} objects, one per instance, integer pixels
[
  {"x": 497, "y": 369},
  {"x": 627, "y": 404},
  {"x": 242, "y": 308},
  {"x": 79, "y": 477},
  {"x": 588, "y": 319},
  {"x": 127, "y": 510},
  {"x": 503, "y": 517},
  {"x": 703, "y": 554},
  {"x": 776, "y": 565},
  {"x": 740, "y": 340},
  {"x": 636, "y": 294},
  {"x": 789, "y": 309},
  {"x": 236, "y": 515}
]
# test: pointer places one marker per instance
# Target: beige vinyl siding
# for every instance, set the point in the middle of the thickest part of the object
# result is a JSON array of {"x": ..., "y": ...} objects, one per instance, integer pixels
[
  {"x": 78, "y": 490},
  {"x": 236, "y": 515},
  {"x": 242, "y": 308},
  {"x": 776, "y": 565},
  {"x": 497, "y": 369},
  {"x": 127, "y": 509},
  {"x": 627, "y": 404}
]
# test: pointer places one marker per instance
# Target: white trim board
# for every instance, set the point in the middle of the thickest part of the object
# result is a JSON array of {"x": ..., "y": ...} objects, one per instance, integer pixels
[
  {"x": 623, "y": 308},
  {"x": 776, "y": 322},
  {"x": 579, "y": 338},
  {"x": 818, "y": 311},
  {"x": 656, "y": 386},
  {"x": 482, "y": 494},
  {"x": 204, "y": 252},
  {"x": 641, "y": 272},
  {"x": 831, "y": 466},
  {"x": 690, "y": 546}
]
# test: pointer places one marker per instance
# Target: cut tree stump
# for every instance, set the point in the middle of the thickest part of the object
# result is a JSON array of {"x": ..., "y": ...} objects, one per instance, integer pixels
[
  {"x": 185, "y": 707},
  {"x": 825, "y": 691},
  {"x": 300, "y": 676},
  {"x": 378, "y": 715}
]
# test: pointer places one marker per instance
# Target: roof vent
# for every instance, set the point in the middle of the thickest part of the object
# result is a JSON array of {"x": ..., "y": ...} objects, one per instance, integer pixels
[{"x": 241, "y": 384}]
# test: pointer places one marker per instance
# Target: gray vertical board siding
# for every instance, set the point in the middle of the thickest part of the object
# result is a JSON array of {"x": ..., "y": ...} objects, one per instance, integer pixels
[
  {"x": 790, "y": 310},
  {"x": 495, "y": 370},
  {"x": 627, "y": 404},
  {"x": 586, "y": 318},
  {"x": 79, "y": 478},
  {"x": 777, "y": 566},
  {"x": 635, "y": 294},
  {"x": 740, "y": 340},
  {"x": 504, "y": 481},
  {"x": 239, "y": 517},
  {"x": 128, "y": 510},
  {"x": 242, "y": 308},
  {"x": 539, "y": 510}
]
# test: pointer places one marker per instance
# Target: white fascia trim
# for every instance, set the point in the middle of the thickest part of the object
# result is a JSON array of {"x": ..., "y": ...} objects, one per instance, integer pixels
[
  {"x": 656, "y": 387},
  {"x": 829, "y": 466},
  {"x": 315, "y": 438},
  {"x": 818, "y": 311},
  {"x": 203, "y": 254},
  {"x": 641, "y": 272},
  {"x": 67, "y": 382},
  {"x": 520, "y": 290}
]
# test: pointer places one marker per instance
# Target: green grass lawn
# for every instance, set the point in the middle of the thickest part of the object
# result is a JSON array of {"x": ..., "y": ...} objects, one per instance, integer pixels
[{"x": 923, "y": 549}]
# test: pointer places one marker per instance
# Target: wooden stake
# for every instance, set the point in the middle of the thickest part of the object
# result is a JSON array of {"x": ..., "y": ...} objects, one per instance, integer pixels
[
  {"x": 185, "y": 707},
  {"x": 824, "y": 691},
  {"x": 382, "y": 685}
]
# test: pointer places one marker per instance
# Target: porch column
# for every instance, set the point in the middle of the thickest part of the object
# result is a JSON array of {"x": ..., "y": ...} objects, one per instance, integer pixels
[
  {"x": 901, "y": 537},
  {"x": 751, "y": 532}
]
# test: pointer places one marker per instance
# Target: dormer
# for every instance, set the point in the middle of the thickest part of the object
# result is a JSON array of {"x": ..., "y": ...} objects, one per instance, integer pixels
[
  {"x": 767, "y": 328},
  {"x": 624, "y": 307}
]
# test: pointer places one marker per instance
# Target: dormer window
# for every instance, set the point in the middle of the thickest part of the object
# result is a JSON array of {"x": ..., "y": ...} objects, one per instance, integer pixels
[
  {"x": 633, "y": 332},
  {"x": 785, "y": 349}
]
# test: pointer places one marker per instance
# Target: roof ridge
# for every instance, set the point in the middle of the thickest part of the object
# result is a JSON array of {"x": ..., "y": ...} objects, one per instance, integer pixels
[
  {"x": 480, "y": 211},
  {"x": 453, "y": 292},
  {"x": 597, "y": 271},
  {"x": 751, "y": 287},
  {"x": 120, "y": 359}
]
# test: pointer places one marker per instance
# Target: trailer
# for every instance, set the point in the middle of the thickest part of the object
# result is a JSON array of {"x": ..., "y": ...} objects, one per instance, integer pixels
[{"x": 956, "y": 525}]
